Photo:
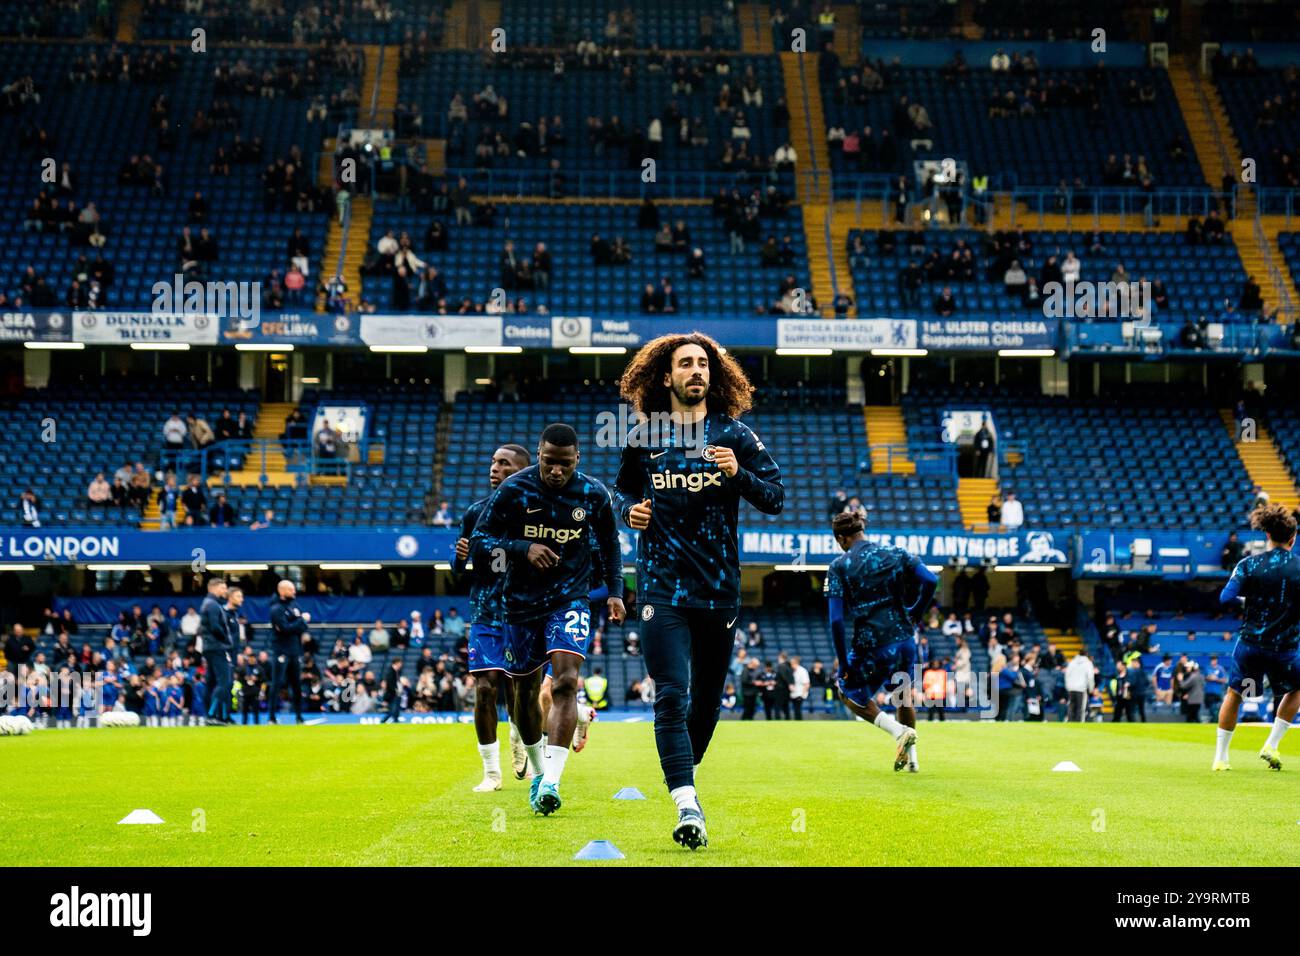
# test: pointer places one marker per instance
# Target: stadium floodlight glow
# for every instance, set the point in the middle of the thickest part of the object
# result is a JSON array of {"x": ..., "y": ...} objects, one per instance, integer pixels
[
  {"x": 1024, "y": 567},
  {"x": 354, "y": 566},
  {"x": 1026, "y": 353},
  {"x": 405, "y": 349},
  {"x": 597, "y": 350},
  {"x": 311, "y": 379},
  {"x": 800, "y": 567},
  {"x": 805, "y": 351},
  {"x": 482, "y": 381},
  {"x": 1174, "y": 552},
  {"x": 263, "y": 347},
  {"x": 896, "y": 352},
  {"x": 936, "y": 568},
  {"x": 442, "y": 565},
  {"x": 55, "y": 346},
  {"x": 17, "y": 567},
  {"x": 493, "y": 349},
  {"x": 239, "y": 566},
  {"x": 117, "y": 567},
  {"x": 161, "y": 346}
]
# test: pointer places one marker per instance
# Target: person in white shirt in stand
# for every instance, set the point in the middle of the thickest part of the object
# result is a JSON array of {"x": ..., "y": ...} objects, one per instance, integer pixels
[
  {"x": 952, "y": 626},
  {"x": 1071, "y": 268},
  {"x": 1013, "y": 512},
  {"x": 417, "y": 629},
  {"x": 1000, "y": 62},
  {"x": 800, "y": 687},
  {"x": 1080, "y": 679}
]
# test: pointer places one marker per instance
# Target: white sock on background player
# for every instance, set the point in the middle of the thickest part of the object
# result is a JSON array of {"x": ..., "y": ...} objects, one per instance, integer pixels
[
  {"x": 685, "y": 797},
  {"x": 537, "y": 756},
  {"x": 1280, "y": 727},
  {"x": 555, "y": 757},
  {"x": 1221, "y": 744},
  {"x": 491, "y": 755},
  {"x": 912, "y": 762},
  {"x": 889, "y": 725}
]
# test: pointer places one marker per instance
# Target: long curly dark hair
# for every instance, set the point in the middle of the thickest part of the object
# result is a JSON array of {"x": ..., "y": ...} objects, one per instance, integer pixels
[
  {"x": 1275, "y": 520},
  {"x": 642, "y": 382}
]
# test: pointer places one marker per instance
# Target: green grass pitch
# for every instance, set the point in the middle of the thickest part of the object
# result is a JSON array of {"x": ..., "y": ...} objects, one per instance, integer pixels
[{"x": 781, "y": 794}]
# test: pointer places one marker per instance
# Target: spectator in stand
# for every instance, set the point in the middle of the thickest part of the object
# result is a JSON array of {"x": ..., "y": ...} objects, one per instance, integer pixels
[
  {"x": 945, "y": 305},
  {"x": 222, "y": 515},
  {"x": 201, "y": 433},
  {"x": 454, "y": 625},
  {"x": 100, "y": 491},
  {"x": 800, "y": 686},
  {"x": 266, "y": 521},
  {"x": 169, "y": 497},
  {"x": 29, "y": 509},
  {"x": 1013, "y": 513},
  {"x": 443, "y": 517},
  {"x": 1080, "y": 680},
  {"x": 140, "y": 484},
  {"x": 194, "y": 499},
  {"x": 1192, "y": 688},
  {"x": 175, "y": 433}
]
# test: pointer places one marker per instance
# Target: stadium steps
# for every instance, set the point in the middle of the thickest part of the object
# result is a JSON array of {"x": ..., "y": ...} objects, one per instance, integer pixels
[
  {"x": 328, "y": 481},
  {"x": 819, "y": 262},
  {"x": 755, "y": 32},
  {"x": 1211, "y": 133},
  {"x": 1263, "y": 462},
  {"x": 442, "y": 436},
  {"x": 270, "y": 418},
  {"x": 1259, "y": 256},
  {"x": 381, "y": 78},
  {"x": 841, "y": 225},
  {"x": 885, "y": 426},
  {"x": 435, "y": 155},
  {"x": 1010, "y": 215},
  {"x": 325, "y": 165},
  {"x": 801, "y": 87},
  {"x": 466, "y": 21},
  {"x": 973, "y": 496},
  {"x": 363, "y": 212},
  {"x": 848, "y": 33},
  {"x": 128, "y": 20}
]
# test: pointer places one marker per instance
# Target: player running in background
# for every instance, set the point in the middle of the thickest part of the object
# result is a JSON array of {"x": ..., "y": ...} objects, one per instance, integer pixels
[
  {"x": 539, "y": 526},
  {"x": 1268, "y": 644},
  {"x": 683, "y": 473},
  {"x": 866, "y": 590},
  {"x": 486, "y": 635}
]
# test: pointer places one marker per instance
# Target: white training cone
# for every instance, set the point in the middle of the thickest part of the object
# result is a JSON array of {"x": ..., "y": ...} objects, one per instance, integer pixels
[
  {"x": 140, "y": 816},
  {"x": 1067, "y": 766}
]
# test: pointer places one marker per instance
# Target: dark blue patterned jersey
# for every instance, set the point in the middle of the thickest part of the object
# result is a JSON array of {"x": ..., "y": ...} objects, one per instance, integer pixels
[
  {"x": 689, "y": 556},
  {"x": 874, "y": 583},
  {"x": 1270, "y": 583},
  {"x": 524, "y": 511},
  {"x": 485, "y": 586}
]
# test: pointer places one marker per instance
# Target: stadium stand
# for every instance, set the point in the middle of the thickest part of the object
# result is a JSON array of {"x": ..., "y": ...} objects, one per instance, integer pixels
[
  {"x": 1198, "y": 280},
  {"x": 1038, "y": 127},
  {"x": 1108, "y": 463},
  {"x": 134, "y": 151},
  {"x": 1262, "y": 105}
]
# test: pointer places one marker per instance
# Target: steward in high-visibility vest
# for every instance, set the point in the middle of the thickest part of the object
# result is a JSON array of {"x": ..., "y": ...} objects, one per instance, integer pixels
[{"x": 597, "y": 687}]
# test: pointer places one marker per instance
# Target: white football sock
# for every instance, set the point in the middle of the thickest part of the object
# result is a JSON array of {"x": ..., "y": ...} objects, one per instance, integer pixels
[
  {"x": 491, "y": 755},
  {"x": 888, "y": 724},
  {"x": 555, "y": 757},
  {"x": 1221, "y": 744},
  {"x": 912, "y": 762},
  {"x": 1280, "y": 727},
  {"x": 685, "y": 797},
  {"x": 536, "y": 757},
  {"x": 514, "y": 733}
]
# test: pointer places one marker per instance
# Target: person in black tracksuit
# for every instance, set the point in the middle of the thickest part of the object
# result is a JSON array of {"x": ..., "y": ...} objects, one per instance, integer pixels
[
  {"x": 288, "y": 625},
  {"x": 683, "y": 474},
  {"x": 214, "y": 631}
]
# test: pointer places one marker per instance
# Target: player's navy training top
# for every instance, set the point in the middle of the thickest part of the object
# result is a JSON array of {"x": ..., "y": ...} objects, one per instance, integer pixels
[
  {"x": 689, "y": 556},
  {"x": 524, "y": 511},
  {"x": 868, "y": 585},
  {"x": 485, "y": 589},
  {"x": 1270, "y": 583}
]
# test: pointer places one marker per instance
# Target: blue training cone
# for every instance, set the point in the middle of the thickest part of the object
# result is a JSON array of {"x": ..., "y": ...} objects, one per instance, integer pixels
[
  {"x": 629, "y": 793},
  {"x": 599, "y": 850}
]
